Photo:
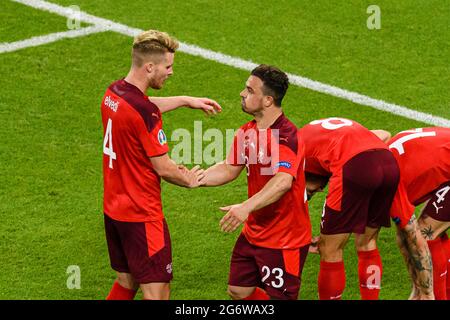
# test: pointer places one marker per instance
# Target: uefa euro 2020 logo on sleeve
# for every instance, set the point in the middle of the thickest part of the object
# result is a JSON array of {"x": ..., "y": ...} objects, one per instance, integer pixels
[{"x": 162, "y": 137}]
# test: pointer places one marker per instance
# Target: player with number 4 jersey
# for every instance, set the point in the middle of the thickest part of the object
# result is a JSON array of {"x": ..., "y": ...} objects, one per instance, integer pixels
[
  {"x": 423, "y": 156},
  {"x": 134, "y": 161},
  {"x": 362, "y": 176}
]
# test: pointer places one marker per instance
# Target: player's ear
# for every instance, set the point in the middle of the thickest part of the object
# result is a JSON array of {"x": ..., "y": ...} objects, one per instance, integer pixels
[
  {"x": 149, "y": 67},
  {"x": 268, "y": 101}
]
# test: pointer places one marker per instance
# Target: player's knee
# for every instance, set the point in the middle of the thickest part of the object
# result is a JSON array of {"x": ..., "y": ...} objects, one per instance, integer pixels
[
  {"x": 330, "y": 253},
  {"x": 365, "y": 244},
  {"x": 127, "y": 281},
  {"x": 155, "y": 291},
  {"x": 237, "y": 293}
]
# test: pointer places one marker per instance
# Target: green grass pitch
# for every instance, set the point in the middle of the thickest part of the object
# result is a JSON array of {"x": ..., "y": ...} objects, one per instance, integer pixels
[{"x": 51, "y": 135}]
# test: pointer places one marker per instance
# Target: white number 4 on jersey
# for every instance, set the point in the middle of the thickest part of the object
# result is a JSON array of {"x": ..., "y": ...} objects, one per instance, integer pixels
[{"x": 108, "y": 150}]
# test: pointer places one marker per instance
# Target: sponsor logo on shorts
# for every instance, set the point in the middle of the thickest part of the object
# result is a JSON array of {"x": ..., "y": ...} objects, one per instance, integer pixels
[
  {"x": 283, "y": 164},
  {"x": 162, "y": 137},
  {"x": 169, "y": 268}
]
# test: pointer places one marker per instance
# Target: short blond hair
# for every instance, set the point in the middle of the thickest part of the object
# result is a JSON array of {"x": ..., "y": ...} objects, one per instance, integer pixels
[{"x": 152, "y": 43}]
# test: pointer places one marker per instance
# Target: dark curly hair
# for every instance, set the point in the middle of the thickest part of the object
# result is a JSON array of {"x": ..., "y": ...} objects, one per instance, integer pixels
[{"x": 275, "y": 81}]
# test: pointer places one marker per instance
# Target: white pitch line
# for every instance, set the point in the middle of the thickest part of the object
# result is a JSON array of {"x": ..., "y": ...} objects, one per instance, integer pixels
[
  {"x": 40, "y": 40},
  {"x": 246, "y": 65}
]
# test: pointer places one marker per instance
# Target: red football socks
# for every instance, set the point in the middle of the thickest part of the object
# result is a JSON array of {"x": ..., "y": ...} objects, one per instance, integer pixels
[
  {"x": 370, "y": 270},
  {"x": 331, "y": 280},
  {"x": 258, "y": 294},
  {"x": 446, "y": 247},
  {"x": 120, "y": 293},
  {"x": 439, "y": 258}
]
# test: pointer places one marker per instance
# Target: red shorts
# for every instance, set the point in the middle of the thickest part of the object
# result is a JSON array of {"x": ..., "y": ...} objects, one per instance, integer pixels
[
  {"x": 438, "y": 206},
  {"x": 142, "y": 249},
  {"x": 277, "y": 271},
  {"x": 369, "y": 182}
]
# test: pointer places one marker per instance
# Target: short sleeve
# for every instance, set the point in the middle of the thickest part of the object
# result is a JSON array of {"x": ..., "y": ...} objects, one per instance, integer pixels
[
  {"x": 154, "y": 141},
  {"x": 402, "y": 209},
  {"x": 290, "y": 154},
  {"x": 288, "y": 161}
]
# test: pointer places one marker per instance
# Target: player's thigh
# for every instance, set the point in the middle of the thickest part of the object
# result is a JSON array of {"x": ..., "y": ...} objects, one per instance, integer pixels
[
  {"x": 244, "y": 271},
  {"x": 383, "y": 196},
  {"x": 350, "y": 192},
  {"x": 148, "y": 249},
  {"x": 281, "y": 270},
  {"x": 116, "y": 251},
  {"x": 155, "y": 291}
]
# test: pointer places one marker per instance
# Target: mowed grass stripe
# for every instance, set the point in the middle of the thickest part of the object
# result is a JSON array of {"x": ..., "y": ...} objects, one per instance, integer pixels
[
  {"x": 248, "y": 65},
  {"x": 404, "y": 62}
]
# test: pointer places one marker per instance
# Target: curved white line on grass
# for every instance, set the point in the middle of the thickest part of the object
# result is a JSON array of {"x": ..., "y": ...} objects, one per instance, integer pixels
[
  {"x": 40, "y": 40},
  {"x": 246, "y": 65}
]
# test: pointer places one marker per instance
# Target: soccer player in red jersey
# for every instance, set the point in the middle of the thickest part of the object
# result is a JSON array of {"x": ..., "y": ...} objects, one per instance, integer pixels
[
  {"x": 362, "y": 175},
  {"x": 134, "y": 161},
  {"x": 423, "y": 156},
  {"x": 269, "y": 254}
]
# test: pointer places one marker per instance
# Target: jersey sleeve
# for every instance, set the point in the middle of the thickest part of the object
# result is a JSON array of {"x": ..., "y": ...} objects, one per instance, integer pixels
[
  {"x": 288, "y": 161},
  {"x": 402, "y": 209},
  {"x": 290, "y": 155},
  {"x": 154, "y": 141}
]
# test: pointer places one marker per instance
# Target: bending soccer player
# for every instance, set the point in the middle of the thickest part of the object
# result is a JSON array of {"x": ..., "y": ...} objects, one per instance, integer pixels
[
  {"x": 134, "y": 161},
  {"x": 269, "y": 255},
  {"x": 362, "y": 175},
  {"x": 423, "y": 156}
]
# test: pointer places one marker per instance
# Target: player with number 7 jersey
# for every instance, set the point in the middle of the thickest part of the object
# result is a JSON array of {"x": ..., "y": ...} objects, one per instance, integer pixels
[{"x": 423, "y": 156}]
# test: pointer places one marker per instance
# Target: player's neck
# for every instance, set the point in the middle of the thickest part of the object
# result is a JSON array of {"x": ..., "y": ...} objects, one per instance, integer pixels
[
  {"x": 266, "y": 118},
  {"x": 137, "y": 81}
]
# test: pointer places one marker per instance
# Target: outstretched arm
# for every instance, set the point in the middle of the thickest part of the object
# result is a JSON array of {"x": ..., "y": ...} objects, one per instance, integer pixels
[
  {"x": 166, "y": 104},
  {"x": 220, "y": 173},
  {"x": 417, "y": 257},
  {"x": 274, "y": 189},
  {"x": 167, "y": 169}
]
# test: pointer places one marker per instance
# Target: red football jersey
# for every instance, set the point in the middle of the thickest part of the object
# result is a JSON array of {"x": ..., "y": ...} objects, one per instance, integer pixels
[
  {"x": 330, "y": 143},
  {"x": 132, "y": 128},
  {"x": 423, "y": 156},
  {"x": 284, "y": 224}
]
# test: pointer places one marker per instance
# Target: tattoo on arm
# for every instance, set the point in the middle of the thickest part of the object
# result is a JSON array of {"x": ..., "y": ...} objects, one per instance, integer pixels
[
  {"x": 427, "y": 232},
  {"x": 417, "y": 257}
]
